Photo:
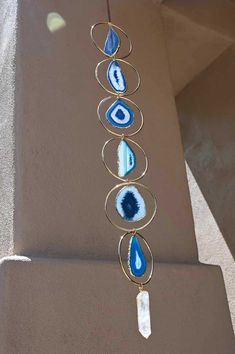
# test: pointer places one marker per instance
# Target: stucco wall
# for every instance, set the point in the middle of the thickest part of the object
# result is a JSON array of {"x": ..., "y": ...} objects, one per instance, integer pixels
[
  {"x": 212, "y": 247},
  {"x": 7, "y": 52},
  {"x": 200, "y": 43}
]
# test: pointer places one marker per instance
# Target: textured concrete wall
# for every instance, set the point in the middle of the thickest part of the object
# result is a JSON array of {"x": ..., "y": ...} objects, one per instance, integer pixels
[
  {"x": 200, "y": 43},
  {"x": 62, "y": 312},
  {"x": 7, "y": 52},
  {"x": 212, "y": 247}
]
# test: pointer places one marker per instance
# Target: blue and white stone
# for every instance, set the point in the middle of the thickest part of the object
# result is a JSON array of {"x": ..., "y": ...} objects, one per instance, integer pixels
[
  {"x": 130, "y": 204},
  {"x": 120, "y": 114},
  {"x": 136, "y": 259},
  {"x": 112, "y": 42},
  {"x": 116, "y": 78},
  {"x": 126, "y": 159}
]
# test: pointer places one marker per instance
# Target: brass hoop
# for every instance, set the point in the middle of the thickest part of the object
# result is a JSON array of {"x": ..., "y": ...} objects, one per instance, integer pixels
[
  {"x": 118, "y": 28},
  {"x": 139, "y": 284},
  {"x": 113, "y": 92},
  {"x": 112, "y": 173},
  {"x": 111, "y": 131},
  {"x": 123, "y": 185}
]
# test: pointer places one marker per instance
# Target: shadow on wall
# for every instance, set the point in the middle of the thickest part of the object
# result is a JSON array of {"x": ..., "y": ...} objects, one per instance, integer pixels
[{"x": 206, "y": 110}]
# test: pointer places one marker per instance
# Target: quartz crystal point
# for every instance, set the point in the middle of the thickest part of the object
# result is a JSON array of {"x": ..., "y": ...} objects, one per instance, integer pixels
[{"x": 143, "y": 312}]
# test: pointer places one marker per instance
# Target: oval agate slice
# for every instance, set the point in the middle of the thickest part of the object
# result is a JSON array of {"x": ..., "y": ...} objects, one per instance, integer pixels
[
  {"x": 130, "y": 204},
  {"x": 120, "y": 114},
  {"x": 126, "y": 159},
  {"x": 116, "y": 78},
  {"x": 136, "y": 259},
  {"x": 112, "y": 42}
]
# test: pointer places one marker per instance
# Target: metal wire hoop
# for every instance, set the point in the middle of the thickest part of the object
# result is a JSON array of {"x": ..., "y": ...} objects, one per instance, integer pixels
[
  {"x": 112, "y": 173},
  {"x": 129, "y": 183},
  {"x": 140, "y": 284},
  {"x": 110, "y": 24},
  {"x": 111, "y": 131},
  {"x": 113, "y": 92}
]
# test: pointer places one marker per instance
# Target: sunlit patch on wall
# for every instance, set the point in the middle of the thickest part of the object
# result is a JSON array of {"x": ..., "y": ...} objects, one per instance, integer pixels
[{"x": 55, "y": 22}]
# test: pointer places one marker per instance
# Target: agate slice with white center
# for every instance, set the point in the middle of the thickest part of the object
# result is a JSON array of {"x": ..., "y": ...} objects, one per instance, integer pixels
[
  {"x": 120, "y": 114},
  {"x": 130, "y": 204},
  {"x": 116, "y": 78}
]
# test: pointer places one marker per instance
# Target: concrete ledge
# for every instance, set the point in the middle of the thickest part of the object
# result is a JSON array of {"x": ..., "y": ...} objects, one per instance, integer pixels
[{"x": 59, "y": 306}]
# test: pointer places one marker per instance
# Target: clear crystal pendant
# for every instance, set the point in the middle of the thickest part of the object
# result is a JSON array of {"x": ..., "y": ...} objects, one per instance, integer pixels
[{"x": 143, "y": 313}]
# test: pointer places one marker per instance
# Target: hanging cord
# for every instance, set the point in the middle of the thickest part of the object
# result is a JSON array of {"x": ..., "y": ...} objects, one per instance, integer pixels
[{"x": 108, "y": 11}]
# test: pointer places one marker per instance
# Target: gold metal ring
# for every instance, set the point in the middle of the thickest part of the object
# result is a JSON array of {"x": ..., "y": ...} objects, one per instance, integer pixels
[
  {"x": 129, "y": 183},
  {"x": 109, "y": 24},
  {"x": 112, "y": 173},
  {"x": 111, "y": 131},
  {"x": 113, "y": 92},
  {"x": 139, "y": 284}
]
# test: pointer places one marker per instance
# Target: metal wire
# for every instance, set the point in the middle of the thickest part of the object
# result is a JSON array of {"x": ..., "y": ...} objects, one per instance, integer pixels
[
  {"x": 120, "y": 30},
  {"x": 141, "y": 175},
  {"x": 108, "y": 10},
  {"x": 114, "y": 93},
  {"x": 127, "y": 133},
  {"x": 118, "y": 187},
  {"x": 139, "y": 284}
]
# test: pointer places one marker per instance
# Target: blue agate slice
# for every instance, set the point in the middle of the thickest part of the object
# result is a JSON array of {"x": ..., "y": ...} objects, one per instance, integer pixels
[
  {"x": 126, "y": 159},
  {"x": 112, "y": 42},
  {"x": 116, "y": 78},
  {"x": 136, "y": 259},
  {"x": 120, "y": 114},
  {"x": 130, "y": 204}
]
